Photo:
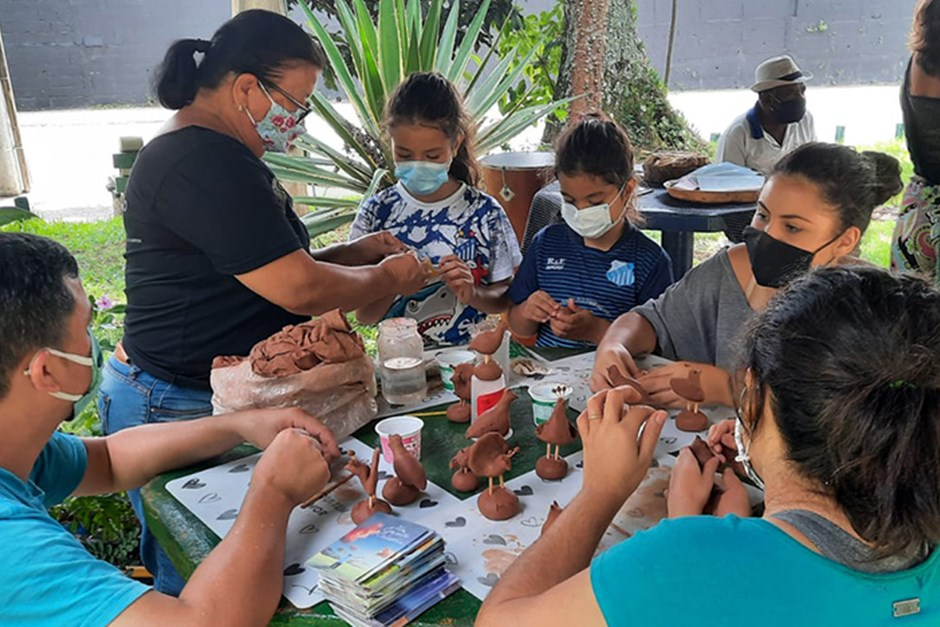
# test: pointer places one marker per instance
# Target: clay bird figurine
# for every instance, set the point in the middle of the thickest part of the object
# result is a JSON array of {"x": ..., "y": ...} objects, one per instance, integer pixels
[
  {"x": 410, "y": 478},
  {"x": 369, "y": 478},
  {"x": 495, "y": 419}
]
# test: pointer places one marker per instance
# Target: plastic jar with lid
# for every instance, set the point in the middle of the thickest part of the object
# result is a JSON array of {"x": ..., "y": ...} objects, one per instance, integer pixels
[{"x": 401, "y": 361}]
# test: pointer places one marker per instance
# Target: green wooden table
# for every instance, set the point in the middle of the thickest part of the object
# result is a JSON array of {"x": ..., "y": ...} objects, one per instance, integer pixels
[{"x": 187, "y": 541}]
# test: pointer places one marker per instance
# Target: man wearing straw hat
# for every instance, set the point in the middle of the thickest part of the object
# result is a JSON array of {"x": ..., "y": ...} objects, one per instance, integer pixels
[{"x": 777, "y": 124}]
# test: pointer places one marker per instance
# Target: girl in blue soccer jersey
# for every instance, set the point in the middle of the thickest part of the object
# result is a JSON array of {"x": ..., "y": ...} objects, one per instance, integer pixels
[
  {"x": 436, "y": 210},
  {"x": 579, "y": 276}
]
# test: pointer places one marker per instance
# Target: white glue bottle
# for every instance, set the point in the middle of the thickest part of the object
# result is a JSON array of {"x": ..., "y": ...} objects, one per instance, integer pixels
[{"x": 487, "y": 386}]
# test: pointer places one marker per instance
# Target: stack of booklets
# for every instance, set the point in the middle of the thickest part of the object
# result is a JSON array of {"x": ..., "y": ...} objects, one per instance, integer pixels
[{"x": 386, "y": 571}]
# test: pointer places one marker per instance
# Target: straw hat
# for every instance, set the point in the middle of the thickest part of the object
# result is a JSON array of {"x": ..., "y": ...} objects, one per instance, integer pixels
[{"x": 777, "y": 72}]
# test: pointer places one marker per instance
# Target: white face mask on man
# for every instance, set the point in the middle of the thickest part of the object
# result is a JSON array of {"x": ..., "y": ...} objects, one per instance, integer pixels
[{"x": 591, "y": 222}]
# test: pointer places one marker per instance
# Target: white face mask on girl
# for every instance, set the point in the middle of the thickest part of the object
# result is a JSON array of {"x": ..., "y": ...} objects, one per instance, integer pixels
[{"x": 591, "y": 222}]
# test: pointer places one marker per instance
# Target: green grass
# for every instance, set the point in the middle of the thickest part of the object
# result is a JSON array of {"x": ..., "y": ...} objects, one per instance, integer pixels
[{"x": 98, "y": 247}]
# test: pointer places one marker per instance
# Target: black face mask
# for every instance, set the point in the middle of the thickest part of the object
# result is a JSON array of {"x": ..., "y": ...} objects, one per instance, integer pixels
[
  {"x": 790, "y": 111},
  {"x": 775, "y": 263}
]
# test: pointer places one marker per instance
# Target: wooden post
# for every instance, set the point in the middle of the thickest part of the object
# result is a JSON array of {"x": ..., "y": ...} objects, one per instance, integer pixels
[{"x": 14, "y": 177}]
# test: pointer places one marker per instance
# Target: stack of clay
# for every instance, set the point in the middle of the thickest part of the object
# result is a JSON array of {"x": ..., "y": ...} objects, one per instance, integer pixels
[{"x": 320, "y": 366}]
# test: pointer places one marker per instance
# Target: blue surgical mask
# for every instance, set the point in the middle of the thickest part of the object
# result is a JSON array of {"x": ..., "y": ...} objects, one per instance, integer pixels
[
  {"x": 279, "y": 128},
  {"x": 80, "y": 401},
  {"x": 422, "y": 178},
  {"x": 590, "y": 222}
]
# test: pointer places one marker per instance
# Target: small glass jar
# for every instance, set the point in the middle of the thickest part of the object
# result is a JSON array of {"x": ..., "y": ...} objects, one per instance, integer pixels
[{"x": 401, "y": 361}]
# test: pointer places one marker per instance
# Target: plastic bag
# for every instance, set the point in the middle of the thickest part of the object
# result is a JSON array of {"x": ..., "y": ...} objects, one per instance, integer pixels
[{"x": 341, "y": 395}]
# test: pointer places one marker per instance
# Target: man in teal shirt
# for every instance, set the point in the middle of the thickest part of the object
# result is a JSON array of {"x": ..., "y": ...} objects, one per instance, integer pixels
[{"x": 48, "y": 368}]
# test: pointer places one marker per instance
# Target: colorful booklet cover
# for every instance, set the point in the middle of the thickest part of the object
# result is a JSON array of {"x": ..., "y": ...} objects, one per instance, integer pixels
[
  {"x": 373, "y": 545},
  {"x": 408, "y": 607}
]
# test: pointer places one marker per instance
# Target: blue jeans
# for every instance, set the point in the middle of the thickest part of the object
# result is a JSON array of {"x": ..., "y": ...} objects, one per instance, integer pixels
[{"x": 129, "y": 397}]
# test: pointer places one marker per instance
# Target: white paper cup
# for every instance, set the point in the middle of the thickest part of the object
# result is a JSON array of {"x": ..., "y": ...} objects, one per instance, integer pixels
[
  {"x": 408, "y": 427},
  {"x": 544, "y": 397},
  {"x": 448, "y": 360}
]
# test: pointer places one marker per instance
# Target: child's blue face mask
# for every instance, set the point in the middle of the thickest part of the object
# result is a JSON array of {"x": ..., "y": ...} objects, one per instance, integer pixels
[{"x": 422, "y": 178}]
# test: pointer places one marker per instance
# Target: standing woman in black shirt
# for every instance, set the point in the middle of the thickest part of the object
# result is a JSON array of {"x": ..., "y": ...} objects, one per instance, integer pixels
[
  {"x": 216, "y": 258},
  {"x": 916, "y": 240}
]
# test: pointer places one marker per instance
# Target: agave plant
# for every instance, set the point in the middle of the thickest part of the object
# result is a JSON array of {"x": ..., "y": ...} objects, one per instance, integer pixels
[{"x": 402, "y": 40}]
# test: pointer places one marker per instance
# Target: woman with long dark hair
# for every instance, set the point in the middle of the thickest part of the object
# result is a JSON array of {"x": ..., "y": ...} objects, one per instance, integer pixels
[{"x": 839, "y": 423}]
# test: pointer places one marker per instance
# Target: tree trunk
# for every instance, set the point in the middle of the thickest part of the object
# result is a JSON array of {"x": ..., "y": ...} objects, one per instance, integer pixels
[
  {"x": 586, "y": 21},
  {"x": 633, "y": 93}
]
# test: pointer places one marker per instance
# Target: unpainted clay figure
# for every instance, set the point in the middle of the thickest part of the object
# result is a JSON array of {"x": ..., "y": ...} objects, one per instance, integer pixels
[
  {"x": 460, "y": 412},
  {"x": 618, "y": 379},
  {"x": 487, "y": 343},
  {"x": 690, "y": 390},
  {"x": 557, "y": 432},
  {"x": 554, "y": 511},
  {"x": 491, "y": 457},
  {"x": 410, "y": 478},
  {"x": 369, "y": 478},
  {"x": 495, "y": 419},
  {"x": 463, "y": 480}
]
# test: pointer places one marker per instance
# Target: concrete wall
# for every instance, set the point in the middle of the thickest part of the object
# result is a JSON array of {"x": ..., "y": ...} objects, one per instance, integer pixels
[
  {"x": 77, "y": 53},
  {"x": 719, "y": 42}
]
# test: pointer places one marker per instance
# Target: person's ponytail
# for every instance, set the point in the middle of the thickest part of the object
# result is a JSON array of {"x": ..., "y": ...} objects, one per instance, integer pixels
[{"x": 177, "y": 78}]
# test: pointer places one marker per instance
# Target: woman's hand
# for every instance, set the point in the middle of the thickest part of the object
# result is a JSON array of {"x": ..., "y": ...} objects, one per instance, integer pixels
[
  {"x": 457, "y": 276},
  {"x": 374, "y": 247},
  {"x": 607, "y": 357},
  {"x": 720, "y": 440},
  {"x": 539, "y": 307},
  {"x": 573, "y": 322},
  {"x": 616, "y": 455},
  {"x": 716, "y": 383},
  {"x": 260, "y": 427},
  {"x": 406, "y": 273},
  {"x": 690, "y": 485}
]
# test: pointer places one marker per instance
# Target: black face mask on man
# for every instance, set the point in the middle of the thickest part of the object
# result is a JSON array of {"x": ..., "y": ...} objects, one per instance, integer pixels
[
  {"x": 775, "y": 263},
  {"x": 789, "y": 111}
]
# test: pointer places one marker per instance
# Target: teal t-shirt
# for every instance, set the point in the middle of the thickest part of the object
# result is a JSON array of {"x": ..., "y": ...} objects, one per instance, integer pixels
[
  {"x": 46, "y": 576},
  {"x": 733, "y": 571}
]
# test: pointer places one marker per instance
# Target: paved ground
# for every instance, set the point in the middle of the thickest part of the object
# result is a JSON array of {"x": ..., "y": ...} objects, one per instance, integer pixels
[{"x": 69, "y": 152}]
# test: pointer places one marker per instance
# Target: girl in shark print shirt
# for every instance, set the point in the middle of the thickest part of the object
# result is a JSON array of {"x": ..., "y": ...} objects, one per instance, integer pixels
[{"x": 436, "y": 210}]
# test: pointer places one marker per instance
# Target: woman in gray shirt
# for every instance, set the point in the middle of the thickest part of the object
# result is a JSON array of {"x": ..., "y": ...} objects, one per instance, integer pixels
[{"x": 812, "y": 211}]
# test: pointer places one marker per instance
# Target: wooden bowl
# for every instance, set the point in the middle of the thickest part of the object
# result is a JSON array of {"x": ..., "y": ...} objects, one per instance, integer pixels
[{"x": 710, "y": 198}]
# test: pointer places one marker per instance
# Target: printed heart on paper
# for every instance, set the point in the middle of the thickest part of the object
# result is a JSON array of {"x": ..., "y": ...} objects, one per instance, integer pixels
[
  {"x": 636, "y": 512},
  {"x": 294, "y": 569},
  {"x": 240, "y": 468},
  {"x": 490, "y": 580},
  {"x": 384, "y": 475},
  {"x": 668, "y": 441},
  {"x": 531, "y": 521},
  {"x": 460, "y": 521},
  {"x": 580, "y": 464},
  {"x": 229, "y": 514},
  {"x": 309, "y": 591},
  {"x": 311, "y": 528},
  {"x": 212, "y": 497},
  {"x": 494, "y": 539},
  {"x": 426, "y": 503},
  {"x": 193, "y": 484},
  {"x": 450, "y": 559},
  {"x": 525, "y": 490}
]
